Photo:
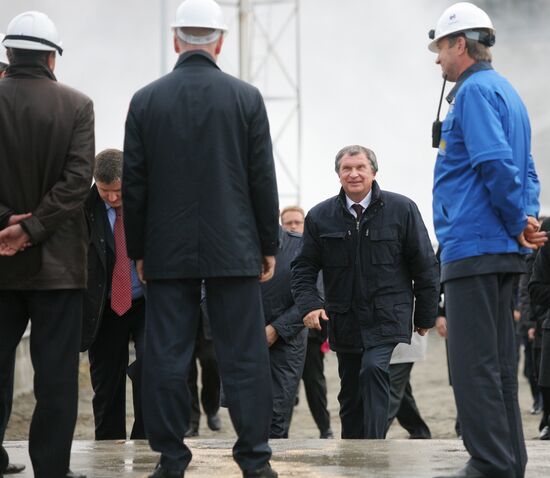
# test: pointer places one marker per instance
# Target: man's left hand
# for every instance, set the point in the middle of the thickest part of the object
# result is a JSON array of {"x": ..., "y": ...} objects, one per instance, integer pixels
[
  {"x": 421, "y": 331},
  {"x": 532, "y": 237},
  {"x": 271, "y": 335},
  {"x": 139, "y": 270},
  {"x": 13, "y": 239}
]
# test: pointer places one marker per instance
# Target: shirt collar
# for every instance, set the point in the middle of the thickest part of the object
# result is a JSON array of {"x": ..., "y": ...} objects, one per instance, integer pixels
[
  {"x": 478, "y": 66},
  {"x": 365, "y": 202}
]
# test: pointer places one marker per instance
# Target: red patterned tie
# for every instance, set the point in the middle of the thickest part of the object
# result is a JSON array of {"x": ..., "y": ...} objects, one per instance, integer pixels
[{"x": 121, "y": 286}]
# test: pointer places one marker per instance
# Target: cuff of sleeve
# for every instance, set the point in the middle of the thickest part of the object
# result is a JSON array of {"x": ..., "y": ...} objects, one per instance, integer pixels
[
  {"x": 516, "y": 228},
  {"x": 34, "y": 228}
]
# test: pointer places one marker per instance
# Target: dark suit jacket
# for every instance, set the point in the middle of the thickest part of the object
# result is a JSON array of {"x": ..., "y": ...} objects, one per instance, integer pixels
[
  {"x": 46, "y": 164},
  {"x": 100, "y": 266},
  {"x": 200, "y": 195}
]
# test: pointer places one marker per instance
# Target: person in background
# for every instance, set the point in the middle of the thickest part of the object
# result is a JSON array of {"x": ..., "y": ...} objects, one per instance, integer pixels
[
  {"x": 114, "y": 306},
  {"x": 315, "y": 384}
]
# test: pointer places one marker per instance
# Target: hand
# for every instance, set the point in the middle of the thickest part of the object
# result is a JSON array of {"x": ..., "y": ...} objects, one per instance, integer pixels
[
  {"x": 271, "y": 335},
  {"x": 531, "y": 334},
  {"x": 517, "y": 315},
  {"x": 13, "y": 239},
  {"x": 531, "y": 237},
  {"x": 17, "y": 218},
  {"x": 421, "y": 331},
  {"x": 441, "y": 326},
  {"x": 311, "y": 320},
  {"x": 268, "y": 268},
  {"x": 139, "y": 270}
]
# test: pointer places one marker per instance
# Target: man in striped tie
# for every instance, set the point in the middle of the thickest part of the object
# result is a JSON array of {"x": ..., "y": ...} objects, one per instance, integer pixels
[{"x": 114, "y": 310}]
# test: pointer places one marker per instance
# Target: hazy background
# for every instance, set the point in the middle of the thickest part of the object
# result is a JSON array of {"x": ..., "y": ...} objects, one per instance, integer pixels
[{"x": 367, "y": 76}]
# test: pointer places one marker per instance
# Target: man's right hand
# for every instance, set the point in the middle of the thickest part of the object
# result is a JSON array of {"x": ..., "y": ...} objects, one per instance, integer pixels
[
  {"x": 268, "y": 268},
  {"x": 532, "y": 237},
  {"x": 16, "y": 218},
  {"x": 312, "y": 320},
  {"x": 441, "y": 326}
]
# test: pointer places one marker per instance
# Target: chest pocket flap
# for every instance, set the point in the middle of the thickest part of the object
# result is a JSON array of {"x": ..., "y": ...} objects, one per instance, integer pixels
[
  {"x": 384, "y": 245},
  {"x": 335, "y": 253}
]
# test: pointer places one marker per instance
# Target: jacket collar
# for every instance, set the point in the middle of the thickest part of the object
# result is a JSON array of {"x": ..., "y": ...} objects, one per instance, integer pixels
[
  {"x": 375, "y": 198},
  {"x": 478, "y": 66},
  {"x": 196, "y": 56},
  {"x": 29, "y": 71}
]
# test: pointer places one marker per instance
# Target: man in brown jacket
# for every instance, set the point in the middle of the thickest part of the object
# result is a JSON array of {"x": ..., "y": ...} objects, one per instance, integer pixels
[{"x": 46, "y": 164}]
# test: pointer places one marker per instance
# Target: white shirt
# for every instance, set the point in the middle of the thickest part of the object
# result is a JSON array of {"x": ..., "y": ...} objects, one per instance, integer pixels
[{"x": 365, "y": 203}]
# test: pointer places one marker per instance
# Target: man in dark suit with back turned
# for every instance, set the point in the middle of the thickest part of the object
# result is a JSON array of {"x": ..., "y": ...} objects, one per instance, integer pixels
[
  {"x": 114, "y": 306},
  {"x": 200, "y": 202},
  {"x": 46, "y": 159}
]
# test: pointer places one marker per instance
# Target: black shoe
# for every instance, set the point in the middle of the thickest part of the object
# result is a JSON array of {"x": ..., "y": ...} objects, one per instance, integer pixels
[
  {"x": 545, "y": 433},
  {"x": 214, "y": 422},
  {"x": 327, "y": 434},
  {"x": 192, "y": 432},
  {"x": 72, "y": 474},
  {"x": 13, "y": 468},
  {"x": 161, "y": 472},
  {"x": 264, "y": 472},
  {"x": 467, "y": 472}
]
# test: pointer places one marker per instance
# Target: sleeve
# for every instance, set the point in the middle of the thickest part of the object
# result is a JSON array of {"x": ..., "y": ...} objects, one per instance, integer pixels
[
  {"x": 539, "y": 284},
  {"x": 134, "y": 186},
  {"x": 69, "y": 193},
  {"x": 262, "y": 180},
  {"x": 305, "y": 271},
  {"x": 289, "y": 324},
  {"x": 5, "y": 213},
  {"x": 424, "y": 269},
  {"x": 490, "y": 152},
  {"x": 532, "y": 204}
]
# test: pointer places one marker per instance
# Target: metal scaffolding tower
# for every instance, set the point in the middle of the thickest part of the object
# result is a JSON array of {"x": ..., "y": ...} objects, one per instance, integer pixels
[{"x": 269, "y": 58}]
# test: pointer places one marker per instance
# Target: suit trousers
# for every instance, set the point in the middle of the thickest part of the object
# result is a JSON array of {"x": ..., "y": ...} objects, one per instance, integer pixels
[
  {"x": 236, "y": 317},
  {"x": 287, "y": 364},
  {"x": 315, "y": 385},
  {"x": 109, "y": 358},
  {"x": 210, "y": 380},
  {"x": 402, "y": 402},
  {"x": 56, "y": 318},
  {"x": 484, "y": 374},
  {"x": 365, "y": 392}
]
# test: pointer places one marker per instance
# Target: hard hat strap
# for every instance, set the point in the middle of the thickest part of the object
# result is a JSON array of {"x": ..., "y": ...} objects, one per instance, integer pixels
[{"x": 35, "y": 40}]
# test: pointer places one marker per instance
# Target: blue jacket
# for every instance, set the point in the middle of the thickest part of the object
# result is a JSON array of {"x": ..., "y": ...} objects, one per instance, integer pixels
[{"x": 485, "y": 183}]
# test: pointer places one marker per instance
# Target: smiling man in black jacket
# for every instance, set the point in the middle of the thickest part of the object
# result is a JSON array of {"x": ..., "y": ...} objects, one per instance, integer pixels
[{"x": 377, "y": 261}]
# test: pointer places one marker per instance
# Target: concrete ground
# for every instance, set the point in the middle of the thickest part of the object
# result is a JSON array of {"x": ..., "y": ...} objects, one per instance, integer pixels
[{"x": 308, "y": 458}]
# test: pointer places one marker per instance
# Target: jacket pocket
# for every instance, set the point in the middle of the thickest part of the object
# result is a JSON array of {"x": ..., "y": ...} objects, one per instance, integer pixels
[
  {"x": 335, "y": 253},
  {"x": 384, "y": 245},
  {"x": 393, "y": 315}
]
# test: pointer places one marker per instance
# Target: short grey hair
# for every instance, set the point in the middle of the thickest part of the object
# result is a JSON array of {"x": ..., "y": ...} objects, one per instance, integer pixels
[
  {"x": 108, "y": 166},
  {"x": 198, "y": 35},
  {"x": 354, "y": 150},
  {"x": 476, "y": 51}
]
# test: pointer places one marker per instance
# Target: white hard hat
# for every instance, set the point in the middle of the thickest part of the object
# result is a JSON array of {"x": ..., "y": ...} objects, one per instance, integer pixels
[
  {"x": 200, "y": 14},
  {"x": 463, "y": 17},
  {"x": 3, "y": 57},
  {"x": 32, "y": 31}
]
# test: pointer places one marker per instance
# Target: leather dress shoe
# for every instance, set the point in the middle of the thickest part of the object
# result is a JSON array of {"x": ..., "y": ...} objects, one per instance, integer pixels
[
  {"x": 545, "y": 433},
  {"x": 13, "y": 468},
  {"x": 214, "y": 422},
  {"x": 264, "y": 472},
  {"x": 467, "y": 472},
  {"x": 327, "y": 434},
  {"x": 161, "y": 472},
  {"x": 72, "y": 474}
]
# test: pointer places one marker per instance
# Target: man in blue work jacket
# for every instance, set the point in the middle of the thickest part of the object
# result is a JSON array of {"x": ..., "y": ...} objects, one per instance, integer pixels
[{"x": 485, "y": 206}]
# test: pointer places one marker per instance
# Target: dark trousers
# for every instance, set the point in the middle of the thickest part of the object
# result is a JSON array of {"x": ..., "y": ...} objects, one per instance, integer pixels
[
  {"x": 236, "y": 318},
  {"x": 56, "y": 318},
  {"x": 365, "y": 392},
  {"x": 287, "y": 364},
  {"x": 210, "y": 379},
  {"x": 315, "y": 385},
  {"x": 109, "y": 359},
  {"x": 484, "y": 372},
  {"x": 402, "y": 402}
]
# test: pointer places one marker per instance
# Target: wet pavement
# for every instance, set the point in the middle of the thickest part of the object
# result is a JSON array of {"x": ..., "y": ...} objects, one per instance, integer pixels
[{"x": 291, "y": 458}]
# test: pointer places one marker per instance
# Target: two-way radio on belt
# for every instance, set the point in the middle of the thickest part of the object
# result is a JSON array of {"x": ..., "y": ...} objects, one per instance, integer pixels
[{"x": 436, "y": 126}]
